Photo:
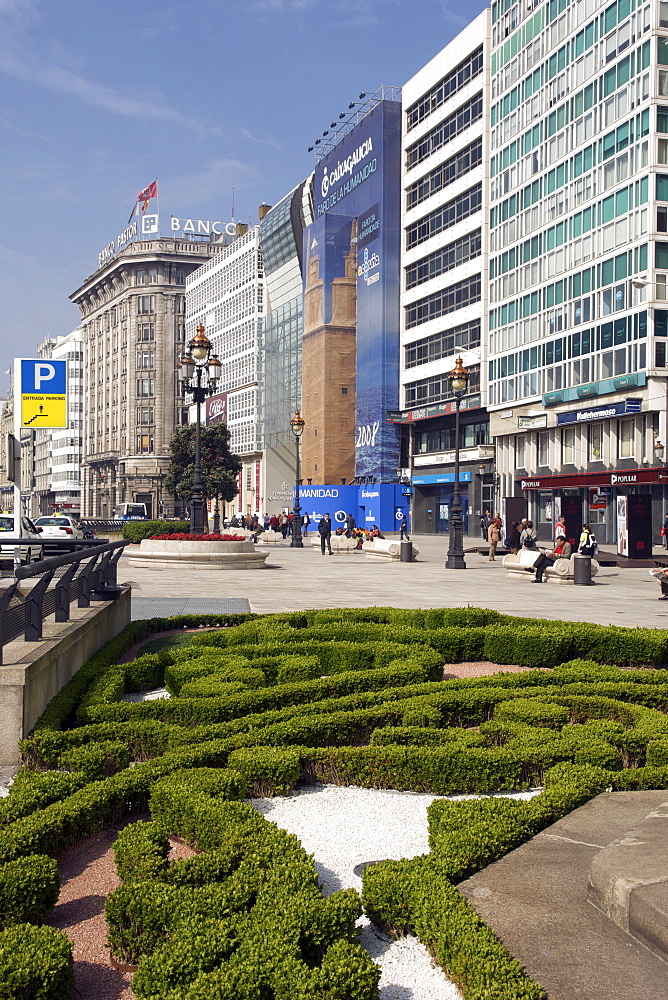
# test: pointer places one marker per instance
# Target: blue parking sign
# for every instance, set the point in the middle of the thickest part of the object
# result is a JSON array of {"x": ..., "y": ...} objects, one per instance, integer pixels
[{"x": 44, "y": 376}]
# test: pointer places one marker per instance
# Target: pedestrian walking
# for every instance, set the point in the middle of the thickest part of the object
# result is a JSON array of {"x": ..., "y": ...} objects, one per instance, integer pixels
[
  {"x": 325, "y": 532},
  {"x": 306, "y": 520},
  {"x": 485, "y": 521},
  {"x": 403, "y": 529},
  {"x": 664, "y": 532},
  {"x": 493, "y": 536},
  {"x": 560, "y": 527},
  {"x": 350, "y": 525},
  {"x": 587, "y": 545}
]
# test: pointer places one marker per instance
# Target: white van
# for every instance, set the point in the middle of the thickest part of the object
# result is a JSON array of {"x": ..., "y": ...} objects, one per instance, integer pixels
[{"x": 14, "y": 526}]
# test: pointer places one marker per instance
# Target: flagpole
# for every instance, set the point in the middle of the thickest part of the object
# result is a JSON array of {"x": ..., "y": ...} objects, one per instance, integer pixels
[{"x": 158, "y": 201}]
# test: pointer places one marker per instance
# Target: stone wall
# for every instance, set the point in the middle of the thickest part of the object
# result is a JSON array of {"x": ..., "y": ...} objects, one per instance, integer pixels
[{"x": 34, "y": 672}]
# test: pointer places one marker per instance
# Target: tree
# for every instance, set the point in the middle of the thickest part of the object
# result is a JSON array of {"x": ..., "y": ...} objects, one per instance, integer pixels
[{"x": 220, "y": 467}]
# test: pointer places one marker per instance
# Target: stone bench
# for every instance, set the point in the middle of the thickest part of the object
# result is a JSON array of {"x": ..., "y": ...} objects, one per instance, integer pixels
[
  {"x": 270, "y": 537},
  {"x": 386, "y": 548},
  {"x": 520, "y": 566},
  {"x": 340, "y": 544}
]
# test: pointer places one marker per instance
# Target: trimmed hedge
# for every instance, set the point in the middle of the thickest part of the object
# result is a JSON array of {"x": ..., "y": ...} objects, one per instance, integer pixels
[
  {"x": 136, "y": 530},
  {"x": 351, "y": 697},
  {"x": 35, "y": 964}
]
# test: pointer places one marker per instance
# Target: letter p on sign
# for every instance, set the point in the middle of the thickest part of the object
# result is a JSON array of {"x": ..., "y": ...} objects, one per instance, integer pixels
[{"x": 44, "y": 373}]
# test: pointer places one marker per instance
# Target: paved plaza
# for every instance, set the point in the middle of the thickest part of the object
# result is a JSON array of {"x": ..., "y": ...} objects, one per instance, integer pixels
[{"x": 297, "y": 579}]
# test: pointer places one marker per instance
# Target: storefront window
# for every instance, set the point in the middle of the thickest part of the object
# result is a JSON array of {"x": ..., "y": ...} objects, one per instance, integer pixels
[
  {"x": 568, "y": 446},
  {"x": 544, "y": 448},
  {"x": 545, "y": 507},
  {"x": 595, "y": 442},
  {"x": 625, "y": 429}
]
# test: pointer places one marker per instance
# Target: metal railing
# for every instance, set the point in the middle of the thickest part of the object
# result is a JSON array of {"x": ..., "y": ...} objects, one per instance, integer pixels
[{"x": 90, "y": 574}]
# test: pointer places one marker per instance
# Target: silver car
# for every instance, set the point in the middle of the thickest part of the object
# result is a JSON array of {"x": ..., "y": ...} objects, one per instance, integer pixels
[{"x": 20, "y": 527}]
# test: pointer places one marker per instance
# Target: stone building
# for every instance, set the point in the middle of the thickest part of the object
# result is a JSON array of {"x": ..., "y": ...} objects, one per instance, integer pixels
[
  {"x": 329, "y": 372},
  {"x": 133, "y": 323}
]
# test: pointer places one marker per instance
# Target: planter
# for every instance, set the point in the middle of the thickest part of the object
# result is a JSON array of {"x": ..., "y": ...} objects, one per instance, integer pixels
[{"x": 198, "y": 555}]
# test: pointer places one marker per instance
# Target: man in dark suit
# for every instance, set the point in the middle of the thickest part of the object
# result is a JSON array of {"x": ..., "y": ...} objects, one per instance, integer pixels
[{"x": 325, "y": 532}]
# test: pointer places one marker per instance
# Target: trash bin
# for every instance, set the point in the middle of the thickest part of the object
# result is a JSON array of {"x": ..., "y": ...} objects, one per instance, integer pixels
[
  {"x": 406, "y": 550},
  {"x": 582, "y": 570}
]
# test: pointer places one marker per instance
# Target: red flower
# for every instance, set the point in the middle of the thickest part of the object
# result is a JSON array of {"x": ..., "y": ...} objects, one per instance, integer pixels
[{"x": 182, "y": 536}]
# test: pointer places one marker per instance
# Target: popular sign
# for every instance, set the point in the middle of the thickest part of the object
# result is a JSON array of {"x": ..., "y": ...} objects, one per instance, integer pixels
[{"x": 42, "y": 391}]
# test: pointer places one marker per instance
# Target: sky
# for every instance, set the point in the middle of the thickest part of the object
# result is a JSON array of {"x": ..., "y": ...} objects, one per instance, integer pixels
[{"x": 99, "y": 99}]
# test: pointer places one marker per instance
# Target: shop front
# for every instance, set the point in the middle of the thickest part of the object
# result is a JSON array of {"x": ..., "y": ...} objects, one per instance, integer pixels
[
  {"x": 432, "y": 501},
  {"x": 593, "y": 498}
]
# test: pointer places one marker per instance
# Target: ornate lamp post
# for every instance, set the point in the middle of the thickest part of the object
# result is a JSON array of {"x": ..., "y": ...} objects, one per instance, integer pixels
[
  {"x": 297, "y": 428},
  {"x": 459, "y": 381},
  {"x": 193, "y": 365}
]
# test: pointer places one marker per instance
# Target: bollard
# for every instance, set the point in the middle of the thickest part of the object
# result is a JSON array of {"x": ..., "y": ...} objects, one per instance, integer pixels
[
  {"x": 405, "y": 550},
  {"x": 582, "y": 570}
]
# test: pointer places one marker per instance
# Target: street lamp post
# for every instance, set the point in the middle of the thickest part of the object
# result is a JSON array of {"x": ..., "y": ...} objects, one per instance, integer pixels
[
  {"x": 194, "y": 365},
  {"x": 297, "y": 428},
  {"x": 459, "y": 380}
]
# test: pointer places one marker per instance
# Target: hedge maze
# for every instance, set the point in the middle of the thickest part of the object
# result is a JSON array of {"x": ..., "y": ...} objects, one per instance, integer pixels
[{"x": 347, "y": 697}]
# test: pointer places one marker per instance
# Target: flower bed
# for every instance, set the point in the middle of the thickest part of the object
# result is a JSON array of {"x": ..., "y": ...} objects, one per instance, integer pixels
[
  {"x": 182, "y": 536},
  {"x": 345, "y": 697}
]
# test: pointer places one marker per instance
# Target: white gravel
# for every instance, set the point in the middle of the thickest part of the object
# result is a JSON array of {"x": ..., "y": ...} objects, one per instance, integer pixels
[
  {"x": 154, "y": 695},
  {"x": 342, "y": 827}
]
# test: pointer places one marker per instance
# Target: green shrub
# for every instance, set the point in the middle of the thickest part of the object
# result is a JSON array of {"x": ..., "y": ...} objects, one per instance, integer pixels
[
  {"x": 298, "y": 668},
  {"x": 33, "y": 790},
  {"x": 268, "y": 771},
  {"x": 657, "y": 753},
  {"x": 532, "y": 713},
  {"x": 96, "y": 760},
  {"x": 140, "y": 852},
  {"x": 35, "y": 964},
  {"x": 29, "y": 890},
  {"x": 136, "y": 530}
]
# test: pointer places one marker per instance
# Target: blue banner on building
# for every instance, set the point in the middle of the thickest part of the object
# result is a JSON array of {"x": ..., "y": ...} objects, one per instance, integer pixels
[
  {"x": 377, "y": 504},
  {"x": 357, "y": 208}
]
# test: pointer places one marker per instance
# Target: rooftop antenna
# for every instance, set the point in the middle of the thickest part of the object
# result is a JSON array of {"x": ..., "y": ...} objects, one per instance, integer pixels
[{"x": 233, "y": 193}]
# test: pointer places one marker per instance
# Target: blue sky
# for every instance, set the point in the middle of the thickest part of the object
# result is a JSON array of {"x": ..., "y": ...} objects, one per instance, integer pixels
[{"x": 97, "y": 99}]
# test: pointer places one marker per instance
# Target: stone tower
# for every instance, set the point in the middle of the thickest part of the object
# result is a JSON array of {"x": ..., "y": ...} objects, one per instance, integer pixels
[{"x": 328, "y": 372}]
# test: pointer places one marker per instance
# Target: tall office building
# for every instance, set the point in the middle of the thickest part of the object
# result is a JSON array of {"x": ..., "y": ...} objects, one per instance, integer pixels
[
  {"x": 536, "y": 222},
  {"x": 133, "y": 324},
  {"x": 227, "y": 295},
  {"x": 578, "y": 259},
  {"x": 57, "y": 454},
  {"x": 444, "y": 288},
  {"x": 282, "y": 248}
]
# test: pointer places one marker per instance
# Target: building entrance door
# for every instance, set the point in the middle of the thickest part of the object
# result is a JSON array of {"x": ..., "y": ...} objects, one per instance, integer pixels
[{"x": 146, "y": 498}]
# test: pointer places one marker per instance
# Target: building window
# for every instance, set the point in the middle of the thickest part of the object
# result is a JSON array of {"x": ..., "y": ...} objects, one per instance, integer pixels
[
  {"x": 146, "y": 359},
  {"x": 146, "y": 387},
  {"x": 145, "y": 416},
  {"x": 140, "y": 276},
  {"x": 544, "y": 448},
  {"x": 568, "y": 446},
  {"x": 146, "y": 304},
  {"x": 344, "y": 390},
  {"x": 180, "y": 276},
  {"x": 444, "y": 217},
  {"x": 445, "y": 131},
  {"x": 625, "y": 434},
  {"x": 595, "y": 443},
  {"x": 153, "y": 276},
  {"x": 442, "y": 345},
  {"x": 445, "y": 88},
  {"x": 146, "y": 331},
  {"x": 445, "y": 301},
  {"x": 144, "y": 444}
]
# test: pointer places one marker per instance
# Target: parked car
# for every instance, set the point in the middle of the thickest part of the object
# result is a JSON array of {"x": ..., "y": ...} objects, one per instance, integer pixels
[
  {"x": 58, "y": 526},
  {"x": 20, "y": 527}
]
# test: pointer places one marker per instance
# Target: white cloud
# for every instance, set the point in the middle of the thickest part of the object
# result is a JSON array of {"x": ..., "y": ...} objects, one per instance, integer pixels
[
  {"x": 63, "y": 81},
  {"x": 213, "y": 183},
  {"x": 264, "y": 142}
]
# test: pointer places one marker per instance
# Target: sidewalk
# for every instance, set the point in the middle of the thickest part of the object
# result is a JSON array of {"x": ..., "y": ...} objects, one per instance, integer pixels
[{"x": 297, "y": 579}]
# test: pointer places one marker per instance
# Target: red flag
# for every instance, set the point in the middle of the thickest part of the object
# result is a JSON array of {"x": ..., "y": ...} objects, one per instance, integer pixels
[{"x": 149, "y": 192}]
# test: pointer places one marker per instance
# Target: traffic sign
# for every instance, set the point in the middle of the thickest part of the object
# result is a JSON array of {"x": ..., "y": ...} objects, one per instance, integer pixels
[{"x": 43, "y": 392}]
